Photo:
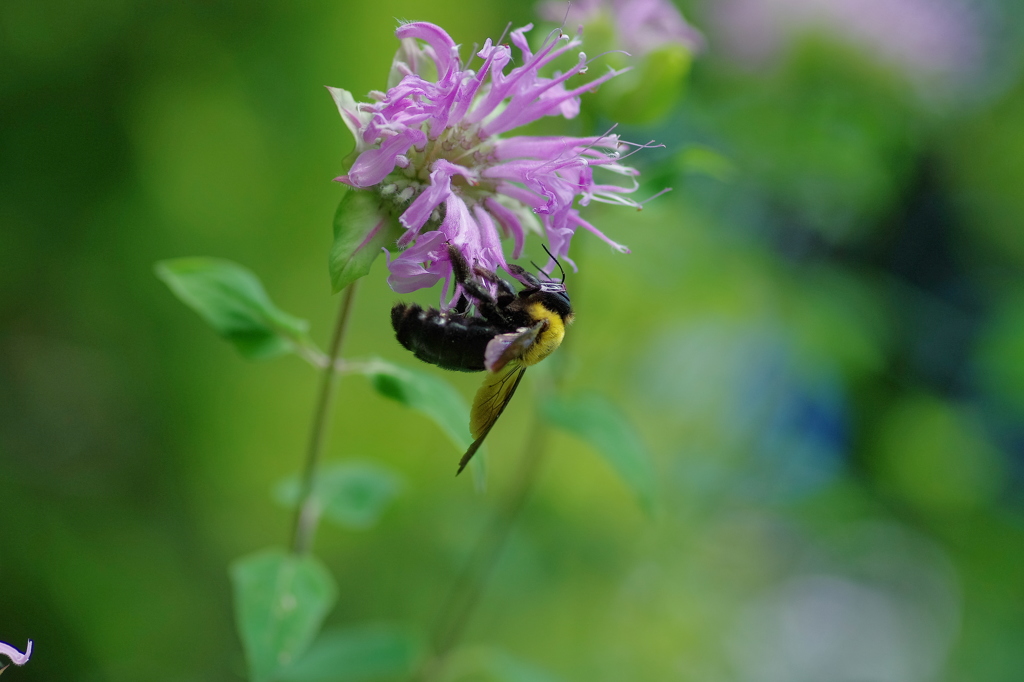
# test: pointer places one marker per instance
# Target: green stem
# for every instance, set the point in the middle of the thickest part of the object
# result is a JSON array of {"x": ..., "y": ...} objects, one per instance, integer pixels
[
  {"x": 307, "y": 512},
  {"x": 468, "y": 588},
  {"x": 310, "y": 353}
]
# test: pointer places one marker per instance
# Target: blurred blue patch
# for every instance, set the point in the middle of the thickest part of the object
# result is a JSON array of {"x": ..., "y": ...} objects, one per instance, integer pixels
[
  {"x": 796, "y": 416},
  {"x": 751, "y": 416},
  {"x": 805, "y": 440}
]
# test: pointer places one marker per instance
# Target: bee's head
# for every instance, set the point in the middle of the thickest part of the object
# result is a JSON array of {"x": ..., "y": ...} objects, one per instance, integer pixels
[
  {"x": 548, "y": 292},
  {"x": 552, "y": 293},
  {"x": 553, "y": 296}
]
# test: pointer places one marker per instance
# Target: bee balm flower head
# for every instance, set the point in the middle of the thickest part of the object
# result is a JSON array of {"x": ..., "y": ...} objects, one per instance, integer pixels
[{"x": 436, "y": 147}]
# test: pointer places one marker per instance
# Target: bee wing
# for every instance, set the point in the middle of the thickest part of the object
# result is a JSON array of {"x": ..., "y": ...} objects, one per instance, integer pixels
[
  {"x": 504, "y": 372},
  {"x": 489, "y": 403},
  {"x": 506, "y": 347}
]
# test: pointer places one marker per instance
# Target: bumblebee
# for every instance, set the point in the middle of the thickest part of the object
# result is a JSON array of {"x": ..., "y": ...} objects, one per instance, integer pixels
[{"x": 510, "y": 332}]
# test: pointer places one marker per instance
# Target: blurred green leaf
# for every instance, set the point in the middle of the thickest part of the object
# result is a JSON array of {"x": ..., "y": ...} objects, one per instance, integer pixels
[
  {"x": 355, "y": 654},
  {"x": 706, "y": 161},
  {"x": 493, "y": 665},
  {"x": 232, "y": 300},
  {"x": 354, "y": 494},
  {"x": 1000, "y": 352},
  {"x": 936, "y": 456},
  {"x": 986, "y": 152},
  {"x": 604, "y": 427},
  {"x": 435, "y": 398},
  {"x": 508, "y": 668},
  {"x": 648, "y": 91},
  {"x": 425, "y": 393},
  {"x": 361, "y": 230},
  {"x": 280, "y": 601},
  {"x": 831, "y": 138}
]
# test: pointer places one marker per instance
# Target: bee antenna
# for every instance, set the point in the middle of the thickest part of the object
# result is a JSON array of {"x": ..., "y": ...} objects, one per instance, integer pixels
[
  {"x": 556, "y": 262},
  {"x": 541, "y": 270}
]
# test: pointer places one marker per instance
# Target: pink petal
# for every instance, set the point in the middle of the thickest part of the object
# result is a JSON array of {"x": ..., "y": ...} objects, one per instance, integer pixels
[
  {"x": 374, "y": 165},
  {"x": 444, "y": 47},
  {"x": 17, "y": 658}
]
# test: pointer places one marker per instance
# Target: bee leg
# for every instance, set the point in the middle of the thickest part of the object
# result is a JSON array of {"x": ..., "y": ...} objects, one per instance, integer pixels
[
  {"x": 506, "y": 293},
  {"x": 492, "y": 313},
  {"x": 479, "y": 293},
  {"x": 471, "y": 290},
  {"x": 523, "y": 276},
  {"x": 460, "y": 268},
  {"x": 489, "y": 308}
]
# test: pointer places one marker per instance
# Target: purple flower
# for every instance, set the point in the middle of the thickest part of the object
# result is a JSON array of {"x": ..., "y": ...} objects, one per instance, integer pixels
[
  {"x": 432, "y": 147},
  {"x": 640, "y": 25},
  {"x": 17, "y": 658}
]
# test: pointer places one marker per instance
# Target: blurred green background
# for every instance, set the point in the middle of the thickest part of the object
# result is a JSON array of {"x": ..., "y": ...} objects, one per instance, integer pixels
[{"x": 819, "y": 334}]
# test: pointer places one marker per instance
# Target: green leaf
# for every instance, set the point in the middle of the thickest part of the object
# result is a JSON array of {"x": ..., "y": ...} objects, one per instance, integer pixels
[
  {"x": 353, "y": 494},
  {"x": 493, "y": 665},
  {"x": 650, "y": 90},
  {"x": 433, "y": 397},
  {"x": 425, "y": 393},
  {"x": 702, "y": 160},
  {"x": 429, "y": 395},
  {"x": 509, "y": 669},
  {"x": 604, "y": 427},
  {"x": 280, "y": 602},
  {"x": 355, "y": 654},
  {"x": 361, "y": 229},
  {"x": 232, "y": 300}
]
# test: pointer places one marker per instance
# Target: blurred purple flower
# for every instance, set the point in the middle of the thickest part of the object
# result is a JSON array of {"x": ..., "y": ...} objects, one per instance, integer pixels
[
  {"x": 17, "y": 658},
  {"x": 640, "y": 25},
  {"x": 432, "y": 146},
  {"x": 924, "y": 38}
]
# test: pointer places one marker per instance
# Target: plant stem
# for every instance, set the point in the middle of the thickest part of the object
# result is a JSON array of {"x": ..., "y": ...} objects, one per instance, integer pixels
[
  {"x": 307, "y": 512},
  {"x": 468, "y": 588}
]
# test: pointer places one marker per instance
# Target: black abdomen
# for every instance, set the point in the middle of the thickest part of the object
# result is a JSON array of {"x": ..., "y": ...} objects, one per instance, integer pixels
[{"x": 448, "y": 340}]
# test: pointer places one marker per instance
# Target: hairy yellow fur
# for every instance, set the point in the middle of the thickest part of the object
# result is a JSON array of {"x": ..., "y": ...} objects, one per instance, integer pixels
[{"x": 549, "y": 339}]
